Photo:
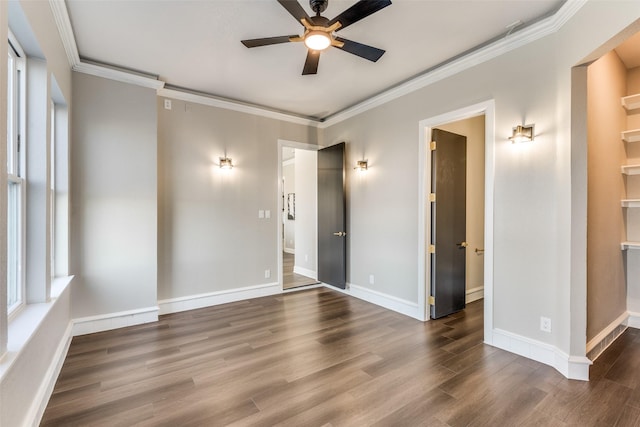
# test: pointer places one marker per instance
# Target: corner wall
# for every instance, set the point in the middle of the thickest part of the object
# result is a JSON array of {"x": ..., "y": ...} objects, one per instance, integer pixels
[
  {"x": 114, "y": 193},
  {"x": 606, "y": 285}
]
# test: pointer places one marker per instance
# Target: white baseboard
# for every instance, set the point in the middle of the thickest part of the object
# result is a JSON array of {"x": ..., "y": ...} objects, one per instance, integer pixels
[
  {"x": 474, "y": 294},
  {"x": 399, "y": 305},
  {"x": 106, "y": 322},
  {"x": 41, "y": 398},
  {"x": 192, "y": 302},
  {"x": 289, "y": 251},
  {"x": 572, "y": 367},
  {"x": 633, "y": 321},
  {"x": 305, "y": 272},
  {"x": 607, "y": 336}
]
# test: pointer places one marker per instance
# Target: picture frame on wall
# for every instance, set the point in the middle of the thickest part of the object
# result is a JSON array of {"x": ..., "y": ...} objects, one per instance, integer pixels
[{"x": 291, "y": 206}]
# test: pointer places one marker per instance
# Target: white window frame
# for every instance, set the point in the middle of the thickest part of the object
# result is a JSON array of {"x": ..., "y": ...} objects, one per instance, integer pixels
[{"x": 16, "y": 163}]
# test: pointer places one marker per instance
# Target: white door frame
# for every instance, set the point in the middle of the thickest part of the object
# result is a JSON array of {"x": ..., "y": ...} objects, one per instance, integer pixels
[
  {"x": 487, "y": 109},
  {"x": 298, "y": 145}
]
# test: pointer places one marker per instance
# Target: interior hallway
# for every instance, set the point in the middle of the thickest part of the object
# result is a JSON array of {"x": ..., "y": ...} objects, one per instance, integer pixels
[
  {"x": 316, "y": 357},
  {"x": 289, "y": 278}
]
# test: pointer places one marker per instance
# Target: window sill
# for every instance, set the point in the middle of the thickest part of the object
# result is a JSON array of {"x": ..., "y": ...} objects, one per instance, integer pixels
[{"x": 23, "y": 326}]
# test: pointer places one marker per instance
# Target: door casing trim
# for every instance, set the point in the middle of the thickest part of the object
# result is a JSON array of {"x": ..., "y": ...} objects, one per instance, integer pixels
[{"x": 486, "y": 108}]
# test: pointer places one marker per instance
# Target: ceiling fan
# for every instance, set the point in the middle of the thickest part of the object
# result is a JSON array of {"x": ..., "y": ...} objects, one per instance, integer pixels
[{"x": 318, "y": 34}]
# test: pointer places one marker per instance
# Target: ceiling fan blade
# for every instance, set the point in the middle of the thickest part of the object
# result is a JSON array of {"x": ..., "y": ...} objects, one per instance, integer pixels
[
  {"x": 362, "y": 50},
  {"x": 267, "y": 41},
  {"x": 311, "y": 64},
  {"x": 359, "y": 11},
  {"x": 294, "y": 8}
]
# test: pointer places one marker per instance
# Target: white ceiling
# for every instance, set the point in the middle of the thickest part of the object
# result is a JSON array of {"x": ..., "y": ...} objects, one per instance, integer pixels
[{"x": 196, "y": 45}]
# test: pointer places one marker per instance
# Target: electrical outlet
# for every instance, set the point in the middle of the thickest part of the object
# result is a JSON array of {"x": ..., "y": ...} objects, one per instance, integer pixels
[
  {"x": 545, "y": 324},
  {"x": 167, "y": 104},
  {"x": 267, "y": 214},
  {"x": 267, "y": 274},
  {"x": 260, "y": 214},
  {"x": 371, "y": 279}
]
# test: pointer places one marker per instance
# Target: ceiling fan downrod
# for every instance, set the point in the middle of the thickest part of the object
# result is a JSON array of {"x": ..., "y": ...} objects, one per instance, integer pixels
[{"x": 318, "y": 6}]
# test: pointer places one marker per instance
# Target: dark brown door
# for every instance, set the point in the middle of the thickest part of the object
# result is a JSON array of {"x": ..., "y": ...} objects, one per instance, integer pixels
[
  {"x": 448, "y": 222},
  {"x": 332, "y": 236}
]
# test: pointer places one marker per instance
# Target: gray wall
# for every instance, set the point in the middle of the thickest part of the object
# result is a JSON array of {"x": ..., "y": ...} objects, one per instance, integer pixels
[
  {"x": 533, "y": 191},
  {"x": 306, "y": 222},
  {"x": 289, "y": 176},
  {"x": 114, "y": 192},
  {"x": 210, "y": 236}
]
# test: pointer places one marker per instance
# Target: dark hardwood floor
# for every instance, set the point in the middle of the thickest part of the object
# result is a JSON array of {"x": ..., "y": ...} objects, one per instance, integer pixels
[
  {"x": 320, "y": 358},
  {"x": 290, "y": 279}
]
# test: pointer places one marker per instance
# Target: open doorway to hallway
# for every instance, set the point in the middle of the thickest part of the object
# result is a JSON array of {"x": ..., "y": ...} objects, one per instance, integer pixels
[
  {"x": 479, "y": 235},
  {"x": 298, "y": 210}
]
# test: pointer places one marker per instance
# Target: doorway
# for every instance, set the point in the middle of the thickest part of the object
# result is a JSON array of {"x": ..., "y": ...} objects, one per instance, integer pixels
[
  {"x": 479, "y": 207},
  {"x": 297, "y": 205}
]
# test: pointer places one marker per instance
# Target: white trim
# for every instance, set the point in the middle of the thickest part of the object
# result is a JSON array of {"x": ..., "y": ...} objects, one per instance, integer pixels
[
  {"x": 633, "y": 320},
  {"x": 506, "y": 44},
  {"x": 118, "y": 75},
  {"x": 232, "y": 105},
  {"x": 572, "y": 367},
  {"x": 107, "y": 322},
  {"x": 192, "y": 302},
  {"x": 289, "y": 162},
  {"x": 478, "y": 56},
  {"x": 399, "y": 305},
  {"x": 305, "y": 272},
  {"x": 487, "y": 109},
  {"x": 474, "y": 294},
  {"x": 61, "y": 16},
  {"x": 41, "y": 399},
  {"x": 289, "y": 251},
  {"x": 621, "y": 320}
]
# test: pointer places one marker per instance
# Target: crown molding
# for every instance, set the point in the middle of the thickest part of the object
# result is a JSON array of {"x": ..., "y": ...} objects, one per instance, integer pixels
[
  {"x": 61, "y": 16},
  {"x": 511, "y": 42},
  {"x": 118, "y": 75},
  {"x": 234, "y": 106}
]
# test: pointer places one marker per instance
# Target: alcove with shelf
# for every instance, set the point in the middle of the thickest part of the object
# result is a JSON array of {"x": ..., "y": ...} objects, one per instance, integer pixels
[{"x": 630, "y": 172}]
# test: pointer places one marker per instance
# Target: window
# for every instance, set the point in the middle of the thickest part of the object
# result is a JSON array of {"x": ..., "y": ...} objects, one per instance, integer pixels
[
  {"x": 52, "y": 191},
  {"x": 15, "y": 178}
]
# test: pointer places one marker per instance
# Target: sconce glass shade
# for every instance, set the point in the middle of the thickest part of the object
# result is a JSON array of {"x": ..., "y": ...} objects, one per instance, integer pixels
[
  {"x": 226, "y": 163},
  {"x": 522, "y": 134},
  {"x": 317, "y": 40},
  {"x": 361, "y": 165}
]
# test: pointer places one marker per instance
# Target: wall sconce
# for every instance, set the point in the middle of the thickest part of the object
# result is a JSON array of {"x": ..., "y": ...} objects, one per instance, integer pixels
[
  {"x": 361, "y": 166},
  {"x": 226, "y": 163},
  {"x": 522, "y": 133}
]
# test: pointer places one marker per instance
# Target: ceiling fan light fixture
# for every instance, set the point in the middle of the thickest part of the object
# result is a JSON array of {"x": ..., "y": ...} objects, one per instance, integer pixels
[{"x": 317, "y": 40}]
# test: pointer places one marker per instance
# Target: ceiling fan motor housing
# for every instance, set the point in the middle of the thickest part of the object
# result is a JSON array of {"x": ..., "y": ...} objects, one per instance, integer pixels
[{"x": 318, "y": 6}]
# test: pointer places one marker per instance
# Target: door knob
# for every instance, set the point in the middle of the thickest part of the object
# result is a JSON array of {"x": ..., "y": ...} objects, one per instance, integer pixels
[
  {"x": 462, "y": 245},
  {"x": 340, "y": 234}
]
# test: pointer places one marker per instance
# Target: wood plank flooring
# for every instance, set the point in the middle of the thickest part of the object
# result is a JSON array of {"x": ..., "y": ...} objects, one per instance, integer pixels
[
  {"x": 290, "y": 279},
  {"x": 320, "y": 358}
]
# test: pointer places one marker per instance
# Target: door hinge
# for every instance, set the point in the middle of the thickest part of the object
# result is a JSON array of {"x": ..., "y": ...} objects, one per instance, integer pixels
[
  {"x": 432, "y": 300},
  {"x": 432, "y": 145},
  {"x": 432, "y": 249},
  {"x": 432, "y": 197}
]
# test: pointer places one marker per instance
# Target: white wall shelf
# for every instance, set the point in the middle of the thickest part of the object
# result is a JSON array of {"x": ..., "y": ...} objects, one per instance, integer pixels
[
  {"x": 630, "y": 245},
  {"x": 631, "y": 102},
  {"x": 630, "y": 203},
  {"x": 631, "y": 169},
  {"x": 631, "y": 135}
]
